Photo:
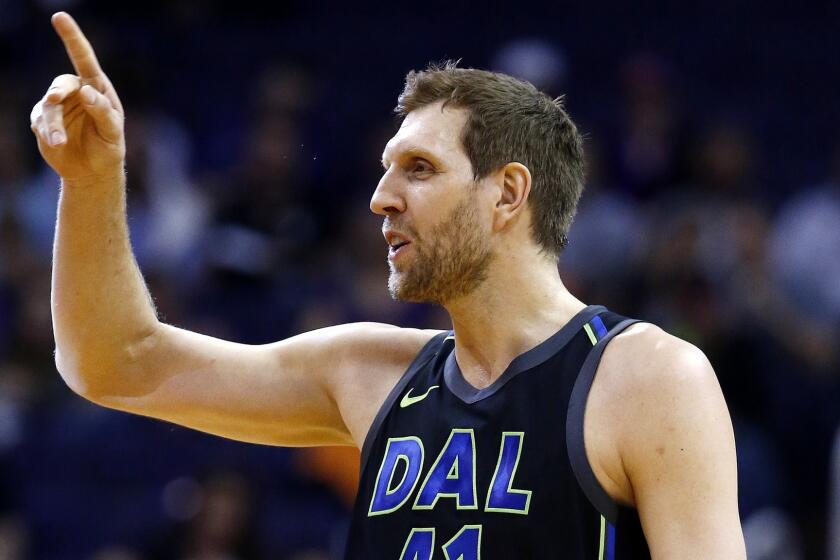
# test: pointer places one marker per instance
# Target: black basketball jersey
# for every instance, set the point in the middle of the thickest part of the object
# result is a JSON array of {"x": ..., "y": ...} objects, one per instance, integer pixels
[{"x": 458, "y": 473}]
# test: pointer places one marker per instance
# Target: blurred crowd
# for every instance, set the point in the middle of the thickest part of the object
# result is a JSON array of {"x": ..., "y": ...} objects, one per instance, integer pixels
[{"x": 251, "y": 158}]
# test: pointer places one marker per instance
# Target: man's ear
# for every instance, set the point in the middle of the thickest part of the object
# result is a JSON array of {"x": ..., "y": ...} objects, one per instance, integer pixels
[{"x": 515, "y": 183}]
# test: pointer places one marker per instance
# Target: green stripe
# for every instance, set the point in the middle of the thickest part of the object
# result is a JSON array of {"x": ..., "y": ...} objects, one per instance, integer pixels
[
  {"x": 603, "y": 533},
  {"x": 591, "y": 334}
]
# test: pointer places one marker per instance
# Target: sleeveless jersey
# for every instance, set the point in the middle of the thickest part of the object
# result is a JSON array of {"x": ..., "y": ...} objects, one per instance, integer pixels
[{"x": 500, "y": 473}]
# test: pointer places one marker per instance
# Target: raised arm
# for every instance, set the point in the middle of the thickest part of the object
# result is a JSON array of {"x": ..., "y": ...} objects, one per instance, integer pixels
[
  {"x": 317, "y": 388},
  {"x": 101, "y": 309}
]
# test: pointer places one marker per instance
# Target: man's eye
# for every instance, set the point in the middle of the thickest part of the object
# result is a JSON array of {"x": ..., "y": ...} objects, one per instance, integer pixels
[{"x": 421, "y": 167}]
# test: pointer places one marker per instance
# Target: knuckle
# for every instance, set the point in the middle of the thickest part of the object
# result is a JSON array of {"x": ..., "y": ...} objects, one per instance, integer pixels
[
  {"x": 62, "y": 82},
  {"x": 49, "y": 112}
]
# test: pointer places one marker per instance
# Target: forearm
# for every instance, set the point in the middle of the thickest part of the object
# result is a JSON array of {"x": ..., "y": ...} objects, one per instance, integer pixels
[{"x": 101, "y": 308}]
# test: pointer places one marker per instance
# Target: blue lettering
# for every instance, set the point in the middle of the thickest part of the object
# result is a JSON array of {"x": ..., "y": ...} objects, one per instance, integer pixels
[
  {"x": 502, "y": 497},
  {"x": 389, "y": 495},
  {"x": 465, "y": 545},
  {"x": 419, "y": 545},
  {"x": 453, "y": 474}
]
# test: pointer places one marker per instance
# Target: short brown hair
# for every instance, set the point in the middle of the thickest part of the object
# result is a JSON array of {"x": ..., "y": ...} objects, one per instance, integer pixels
[{"x": 510, "y": 120}]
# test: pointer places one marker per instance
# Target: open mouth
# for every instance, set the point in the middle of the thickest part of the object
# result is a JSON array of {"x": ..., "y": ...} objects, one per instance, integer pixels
[
  {"x": 397, "y": 249},
  {"x": 396, "y": 242}
]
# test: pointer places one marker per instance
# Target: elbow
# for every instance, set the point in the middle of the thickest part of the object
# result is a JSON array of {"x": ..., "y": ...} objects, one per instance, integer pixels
[
  {"x": 100, "y": 373},
  {"x": 85, "y": 377}
]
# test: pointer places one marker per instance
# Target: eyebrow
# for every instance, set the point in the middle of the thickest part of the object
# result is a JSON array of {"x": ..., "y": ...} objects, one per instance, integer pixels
[{"x": 412, "y": 151}]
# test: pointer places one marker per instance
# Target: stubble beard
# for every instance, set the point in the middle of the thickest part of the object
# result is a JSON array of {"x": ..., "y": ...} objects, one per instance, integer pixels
[{"x": 451, "y": 265}]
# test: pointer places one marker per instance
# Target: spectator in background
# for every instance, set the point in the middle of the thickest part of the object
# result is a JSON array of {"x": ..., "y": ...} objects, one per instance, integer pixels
[
  {"x": 699, "y": 240},
  {"x": 805, "y": 245},
  {"x": 652, "y": 141}
]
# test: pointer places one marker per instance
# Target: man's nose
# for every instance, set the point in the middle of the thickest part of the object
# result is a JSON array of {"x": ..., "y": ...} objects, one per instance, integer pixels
[{"x": 387, "y": 198}]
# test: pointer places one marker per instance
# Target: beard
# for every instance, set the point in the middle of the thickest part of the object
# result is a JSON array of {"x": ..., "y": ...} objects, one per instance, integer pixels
[{"x": 449, "y": 263}]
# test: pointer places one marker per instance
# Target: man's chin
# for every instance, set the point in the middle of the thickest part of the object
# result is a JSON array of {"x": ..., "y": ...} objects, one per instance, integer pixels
[{"x": 400, "y": 291}]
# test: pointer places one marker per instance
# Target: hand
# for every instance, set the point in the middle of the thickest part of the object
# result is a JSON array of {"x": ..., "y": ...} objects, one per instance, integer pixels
[{"x": 79, "y": 121}]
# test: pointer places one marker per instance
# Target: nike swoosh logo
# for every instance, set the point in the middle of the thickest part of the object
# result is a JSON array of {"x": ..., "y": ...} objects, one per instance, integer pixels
[{"x": 408, "y": 400}]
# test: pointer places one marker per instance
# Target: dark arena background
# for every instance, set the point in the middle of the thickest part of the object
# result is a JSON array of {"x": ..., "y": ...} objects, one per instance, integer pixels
[{"x": 712, "y": 208}]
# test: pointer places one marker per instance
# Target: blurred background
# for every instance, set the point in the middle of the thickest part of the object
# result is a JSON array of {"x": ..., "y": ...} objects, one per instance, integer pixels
[{"x": 254, "y": 133}]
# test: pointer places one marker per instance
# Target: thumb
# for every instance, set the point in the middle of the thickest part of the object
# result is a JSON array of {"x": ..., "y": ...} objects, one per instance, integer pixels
[{"x": 106, "y": 119}]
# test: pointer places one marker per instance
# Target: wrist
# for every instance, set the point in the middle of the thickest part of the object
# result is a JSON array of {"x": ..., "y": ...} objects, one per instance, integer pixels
[{"x": 115, "y": 177}]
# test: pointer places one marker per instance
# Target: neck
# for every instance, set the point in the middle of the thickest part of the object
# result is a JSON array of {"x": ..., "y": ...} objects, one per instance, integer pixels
[{"x": 522, "y": 303}]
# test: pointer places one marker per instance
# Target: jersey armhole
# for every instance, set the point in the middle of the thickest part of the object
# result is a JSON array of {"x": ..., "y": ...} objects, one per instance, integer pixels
[
  {"x": 426, "y": 353},
  {"x": 575, "y": 444}
]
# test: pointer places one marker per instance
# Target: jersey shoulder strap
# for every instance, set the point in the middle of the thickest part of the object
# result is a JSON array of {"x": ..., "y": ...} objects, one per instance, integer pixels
[{"x": 599, "y": 335}]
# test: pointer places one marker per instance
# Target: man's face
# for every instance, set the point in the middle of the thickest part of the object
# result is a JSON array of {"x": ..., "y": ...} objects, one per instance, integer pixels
[{"x": 435, "y": 224}]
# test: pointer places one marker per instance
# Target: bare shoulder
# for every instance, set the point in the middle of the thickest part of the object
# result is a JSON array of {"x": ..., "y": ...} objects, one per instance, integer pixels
[
  {"x": 363, "y": 362},
  {"x": 645, "y": 357},
  {"x": 670, "y": 448},
  {"x": 653, "y": 394}
]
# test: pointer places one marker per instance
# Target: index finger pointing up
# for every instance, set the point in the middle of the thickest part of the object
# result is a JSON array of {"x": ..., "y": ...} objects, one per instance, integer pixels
[{"x": 78, "y": 48}]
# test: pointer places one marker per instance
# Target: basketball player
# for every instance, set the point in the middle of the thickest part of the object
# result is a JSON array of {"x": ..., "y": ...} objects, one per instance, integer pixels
[{"x": 540, "y": 427}]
